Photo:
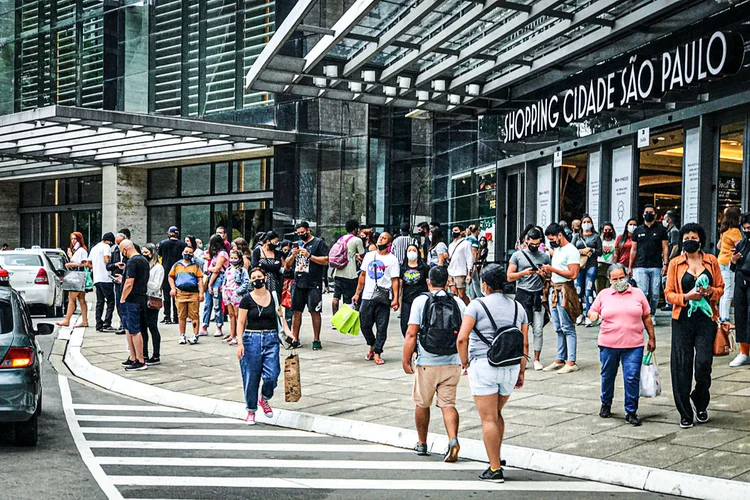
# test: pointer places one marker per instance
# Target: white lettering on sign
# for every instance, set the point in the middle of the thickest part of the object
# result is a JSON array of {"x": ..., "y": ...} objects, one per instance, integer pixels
[{"x": 718, "y": 55}]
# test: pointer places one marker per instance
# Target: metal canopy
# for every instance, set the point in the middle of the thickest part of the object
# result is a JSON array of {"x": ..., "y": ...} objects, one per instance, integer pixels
[
  {"x": 57, "y": 139},
  {"x": 444, "y": 55}
]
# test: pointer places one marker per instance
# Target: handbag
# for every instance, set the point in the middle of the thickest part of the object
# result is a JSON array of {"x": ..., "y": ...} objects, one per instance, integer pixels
[
  {"x": 723, "y": 342},
  {"x": 74, "y": 281},
  {"x": 584, "y": 258},
  {"x": 155, "y": 303},
  {"x": 292, "y": 382},
  {"x": 286, "y": 293},
  {"x": 381, "y": 295}
]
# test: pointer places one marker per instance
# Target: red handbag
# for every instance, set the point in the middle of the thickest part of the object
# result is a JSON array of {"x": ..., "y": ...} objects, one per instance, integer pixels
[{"x": 286, "y": 293}]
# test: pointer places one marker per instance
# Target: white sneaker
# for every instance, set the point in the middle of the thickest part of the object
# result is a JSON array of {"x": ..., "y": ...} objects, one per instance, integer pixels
[
  {"x": 579, "y": 320},
  {"x": 183, "y": 340},
  {"x": 193, "y": 340},
  {"x": 588, "y": 323},
  {"x": 740, "y": 360},
  {"x": 538, "y": 365},
  {"x": 568, "y": 369},
  {"x": 553, "y": 366}
]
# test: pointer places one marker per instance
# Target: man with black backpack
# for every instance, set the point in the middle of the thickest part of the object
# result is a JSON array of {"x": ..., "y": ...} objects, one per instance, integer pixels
[{"x": 434, "y": 323}]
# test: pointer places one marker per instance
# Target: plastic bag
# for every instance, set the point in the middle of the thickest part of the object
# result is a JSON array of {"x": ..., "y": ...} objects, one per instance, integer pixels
[
  {"x": 650, "y": 381},
  {"x": 346, "y": 320}
]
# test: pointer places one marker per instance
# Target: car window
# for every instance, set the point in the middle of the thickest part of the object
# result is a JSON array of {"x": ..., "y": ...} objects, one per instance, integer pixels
[
  {"x": 20, "y": 260},
  {"x": 6, "y": 317},
  {"x": 57, "y": 261}
]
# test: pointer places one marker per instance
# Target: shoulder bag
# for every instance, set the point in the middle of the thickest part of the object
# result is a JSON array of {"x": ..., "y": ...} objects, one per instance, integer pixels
[{"x": 724, "y": 340}]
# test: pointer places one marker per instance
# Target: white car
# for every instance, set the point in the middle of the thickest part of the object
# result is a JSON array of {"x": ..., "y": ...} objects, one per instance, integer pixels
[{"x": 34, "y": 277}]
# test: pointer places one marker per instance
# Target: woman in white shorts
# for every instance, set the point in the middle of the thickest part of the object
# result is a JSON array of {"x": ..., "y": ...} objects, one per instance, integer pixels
[{"x": 491, "y": 386}]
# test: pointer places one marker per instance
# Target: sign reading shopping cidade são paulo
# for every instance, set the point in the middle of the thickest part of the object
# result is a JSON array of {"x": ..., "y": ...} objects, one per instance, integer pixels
[{"x": 707, "y": 58}]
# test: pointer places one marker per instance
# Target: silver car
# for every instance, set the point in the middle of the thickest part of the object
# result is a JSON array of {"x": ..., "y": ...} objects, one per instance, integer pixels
[{"x": 36, "y": 279}]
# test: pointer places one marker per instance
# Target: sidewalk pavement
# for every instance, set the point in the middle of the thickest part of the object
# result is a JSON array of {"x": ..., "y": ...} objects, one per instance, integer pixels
[{"x": 552, "y": 412}]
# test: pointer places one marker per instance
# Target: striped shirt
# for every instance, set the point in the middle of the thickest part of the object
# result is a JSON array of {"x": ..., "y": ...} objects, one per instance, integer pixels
[{"x": 399, "y": 246}]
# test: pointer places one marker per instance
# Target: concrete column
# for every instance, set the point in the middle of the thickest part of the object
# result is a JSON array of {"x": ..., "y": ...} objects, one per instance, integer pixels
[
  {"x": 124, "y": 192},
  {"x": 10, "y": 223}
]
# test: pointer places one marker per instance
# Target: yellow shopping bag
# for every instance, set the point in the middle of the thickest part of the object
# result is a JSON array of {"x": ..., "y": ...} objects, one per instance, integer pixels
[{"x": 346, "y": 320}]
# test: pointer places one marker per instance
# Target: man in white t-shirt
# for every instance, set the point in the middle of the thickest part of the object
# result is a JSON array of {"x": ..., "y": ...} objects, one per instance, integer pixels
[
  {"x": 105, "y": 288},
  {"x": 563, "y": 299},
  {"x": 461, "y": 263},
  {"x": 378, "y": 287}
]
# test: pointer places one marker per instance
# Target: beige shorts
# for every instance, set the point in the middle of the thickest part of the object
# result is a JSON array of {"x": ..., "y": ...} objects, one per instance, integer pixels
[
  {"x": 457, "y": 281},
  {"x": 429, "y": 380},
  {"x": 188, "y": 305}
]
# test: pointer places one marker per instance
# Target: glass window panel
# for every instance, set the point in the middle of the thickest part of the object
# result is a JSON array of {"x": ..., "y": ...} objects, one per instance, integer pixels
[
  {"x": 462, "y": 186},
  {"x": 159, "y": 220},
  {"x": 660, "y": 173},
  {"x": 221, "y": 216},
  {"x": 82, "y": 226},
  {"x": 72, "y": 191},
  {"x": 249, "y": 175},
  {"x": 248, "y": 219},
  {"x": 91, "y": 189},
  {"x": 573, "y": 188},
  {"x": 195, "y": 220},
  {"x": 730, "y": 166},
  {"x": 221, "y": 178},
  {"x": 67, "y": 226},
  {"x": 162, "y": 183},
  {"x": 49, "y": 193},
  {"x": 196, "y": 180},
  {"x": 31, "y": 194},
  {"x": 462, "y": 207}
]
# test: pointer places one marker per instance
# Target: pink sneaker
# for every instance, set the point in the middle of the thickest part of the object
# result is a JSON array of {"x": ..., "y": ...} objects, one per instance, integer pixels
[
  {"x": 203, "y": 332},
  {"x": 250, "y": 419},
  {"x": 218, "y": 333},
  {"x": 266, "y": 407}
]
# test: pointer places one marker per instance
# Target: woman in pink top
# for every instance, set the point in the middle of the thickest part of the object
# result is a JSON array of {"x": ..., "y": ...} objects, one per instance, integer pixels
[{"x": 624, "y": 312}]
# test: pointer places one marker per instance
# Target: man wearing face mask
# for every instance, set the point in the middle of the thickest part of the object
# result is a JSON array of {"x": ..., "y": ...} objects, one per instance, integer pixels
[
  {"x": 186, "y": 287},
  {"x": 461, "y": 262},
  {"x": 649, "y": 256},
  {"x": 673, "y": 235},
  {"x": 423, "y": 232},
  {"x": 310, "y": 259}
]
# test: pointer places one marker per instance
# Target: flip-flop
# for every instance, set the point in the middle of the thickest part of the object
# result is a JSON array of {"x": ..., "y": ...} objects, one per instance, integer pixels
[{"x": 379, "y": 361}]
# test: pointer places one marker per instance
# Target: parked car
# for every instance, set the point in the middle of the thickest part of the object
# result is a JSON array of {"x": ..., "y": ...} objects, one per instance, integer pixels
[
  {"x": 20, "y": 364},
  {"x": 36, "y": 279},
  {"x": 59, "y": 258}
]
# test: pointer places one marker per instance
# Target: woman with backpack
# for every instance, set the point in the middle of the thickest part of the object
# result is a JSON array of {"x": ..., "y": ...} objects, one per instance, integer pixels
[
  {"x": 413, "y": 282},
  {"x": 487, "y": 320}
]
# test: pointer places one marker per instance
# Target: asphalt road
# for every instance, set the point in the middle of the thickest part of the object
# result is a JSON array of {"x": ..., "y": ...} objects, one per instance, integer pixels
[{"x": 144, "y": 451}]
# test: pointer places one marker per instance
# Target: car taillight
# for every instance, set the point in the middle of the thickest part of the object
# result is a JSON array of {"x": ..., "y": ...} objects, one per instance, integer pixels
[
  {"x": 4, "y": 278},
  {"x": 41, "y": 277},
  {"x": 18, "y": 357}
]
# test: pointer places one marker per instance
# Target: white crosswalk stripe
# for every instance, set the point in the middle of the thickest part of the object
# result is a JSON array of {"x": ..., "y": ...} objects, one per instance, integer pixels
[{"x": 186, "y": 455}]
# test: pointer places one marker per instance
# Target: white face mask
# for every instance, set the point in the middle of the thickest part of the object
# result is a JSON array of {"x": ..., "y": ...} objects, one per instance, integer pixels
[
  {"x": 665, "y": 223},
  {"x": 587, "y": 226},
  {"x": 631, "y": 228},
  {"x": 412, "y": 255}
]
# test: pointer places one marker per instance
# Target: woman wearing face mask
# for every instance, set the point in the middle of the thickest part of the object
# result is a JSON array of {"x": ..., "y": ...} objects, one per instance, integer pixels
[
  {"x": 607, "y": 258},
  {"x": 236, "y": 284},
  {"x": 413, "y": 283},
  {"x": 438, "y": 249},
  {"x": 589, "y": 245},
  {"x": 269, "y": 258},
  {"x": 259, "y": 323},
  {"x": 624, "y": 243},
  {"x": 741, "y": 267},
  {"x": 729, "y": 229},
  {"x": 77, "y": 253},
  {"x": 624, "y": 312},
  {"x": 693, "y": 332},
  {"x": 150, "y": 318}
]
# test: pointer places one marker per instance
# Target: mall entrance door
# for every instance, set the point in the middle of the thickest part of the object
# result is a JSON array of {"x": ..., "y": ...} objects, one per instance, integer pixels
[{"x": 511, "y": 211}]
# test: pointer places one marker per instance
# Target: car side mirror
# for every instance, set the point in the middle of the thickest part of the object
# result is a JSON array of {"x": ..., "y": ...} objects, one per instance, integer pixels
[{"x": 45, "y": 329}]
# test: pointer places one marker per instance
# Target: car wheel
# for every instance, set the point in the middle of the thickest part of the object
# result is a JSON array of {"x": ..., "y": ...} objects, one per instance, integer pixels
[{"x": 27, "y": 433}]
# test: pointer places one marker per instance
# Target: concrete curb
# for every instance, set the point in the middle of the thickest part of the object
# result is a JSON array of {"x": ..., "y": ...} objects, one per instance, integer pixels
[{"x": 621, "y": 474}]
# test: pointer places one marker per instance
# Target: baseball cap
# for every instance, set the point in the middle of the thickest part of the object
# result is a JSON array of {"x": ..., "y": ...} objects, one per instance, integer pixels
[{"x": 173, "y": 229}]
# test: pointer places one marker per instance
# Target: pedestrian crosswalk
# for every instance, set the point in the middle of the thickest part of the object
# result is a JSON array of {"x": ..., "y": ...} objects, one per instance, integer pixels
[{"x": 153, "y": 452}]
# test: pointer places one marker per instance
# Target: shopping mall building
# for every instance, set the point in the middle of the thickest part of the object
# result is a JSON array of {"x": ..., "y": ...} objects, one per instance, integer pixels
[{"x": 256, "y": 114}]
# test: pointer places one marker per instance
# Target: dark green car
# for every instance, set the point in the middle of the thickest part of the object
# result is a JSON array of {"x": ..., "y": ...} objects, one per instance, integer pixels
[{"x": 20, "y": 365}]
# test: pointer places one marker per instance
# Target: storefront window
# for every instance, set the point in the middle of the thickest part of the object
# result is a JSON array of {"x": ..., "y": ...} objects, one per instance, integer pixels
[
  {"x": 660, "y": 173},
  {"x": 31, "y": 194},
  {"x": 464, "y": 198},
  {"x": 159, "y": 220},
  {"x": 196, "y": 180},
  {"x": 573, "y": 187},
  {"x": 195, "y": 220},
  {"x": 162, "y": 183},
  {"x": 730, "y": 166}
]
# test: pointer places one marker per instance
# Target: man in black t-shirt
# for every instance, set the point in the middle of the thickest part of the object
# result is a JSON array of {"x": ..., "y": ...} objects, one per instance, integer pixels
[
  {"x": 649, "y": 256},
  {"x": 309, "y": 259},
  {"x": 133, "y": 303},
  {"x": 170, "y": 251}
]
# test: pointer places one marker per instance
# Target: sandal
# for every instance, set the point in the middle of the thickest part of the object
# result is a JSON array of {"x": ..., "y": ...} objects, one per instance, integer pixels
[
  {"x": 370, "y": 356},
  {"x": 379, "y": 361},
  {"x": 233, "y": 341}
]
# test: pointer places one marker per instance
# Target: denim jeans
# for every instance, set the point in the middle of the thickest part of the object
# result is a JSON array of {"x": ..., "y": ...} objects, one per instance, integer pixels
[
  {"x": 585, "y": 284},
  {"x": 631, "y": 374},
  {"x": 725, "y": 303},
  {"x": 376, "y": 315},
  {"x": 213, "y": 302},
  {"x": 648, "y": 280},
  {"x": 260, "y": 361},
  {"x": 566, "y": 331}
]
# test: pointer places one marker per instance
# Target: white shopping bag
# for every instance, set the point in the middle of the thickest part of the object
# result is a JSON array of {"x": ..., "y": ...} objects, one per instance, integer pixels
[{"x": 650, "y": 382}]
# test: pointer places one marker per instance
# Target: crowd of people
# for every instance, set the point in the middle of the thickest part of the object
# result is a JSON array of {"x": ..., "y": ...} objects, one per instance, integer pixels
[{"x": 453, "y": 304}]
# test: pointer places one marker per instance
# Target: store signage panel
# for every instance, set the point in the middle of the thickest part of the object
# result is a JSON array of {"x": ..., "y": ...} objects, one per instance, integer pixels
[
  {"x": 594, "y": 174},
  {"x": 692, "y": 176},
  {"x": 557, "y": 159},
  {"x": 644, "y": 134},
  {"x": 544, "y": 195},
  {"x": 643, "y": 78},
  {"x": 622, "y": 187}
]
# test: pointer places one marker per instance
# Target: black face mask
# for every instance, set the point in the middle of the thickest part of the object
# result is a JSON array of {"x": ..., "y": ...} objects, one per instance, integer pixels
[
  {"x": 608, "y": 235},
  {"x": 747, "y": 234},
  {"x": 456, "y": 235},
  {"x": 272, "y": 246},
  {"x": 691, "y": 246},
  {"x": 383, "y": 247},
  {"x": 533, "y": 248},
  {"x": 258, "y": 284},
  {"x": 554, "y": 244},
  {"x": 649, "y": 217}
]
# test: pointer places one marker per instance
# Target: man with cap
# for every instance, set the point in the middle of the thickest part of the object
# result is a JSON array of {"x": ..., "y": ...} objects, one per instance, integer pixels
[
  {"x": 99, "y": 257},
  {"x": 170, "y": 251}
]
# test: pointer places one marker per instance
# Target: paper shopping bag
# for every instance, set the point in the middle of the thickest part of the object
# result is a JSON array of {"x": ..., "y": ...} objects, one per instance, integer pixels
[
  {"x": 346, "y": 320},
  {"x": 292, "y": 384}
]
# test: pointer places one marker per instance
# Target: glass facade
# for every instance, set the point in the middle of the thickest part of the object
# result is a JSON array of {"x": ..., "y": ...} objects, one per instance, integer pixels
[{"x": 52, "y": 209}]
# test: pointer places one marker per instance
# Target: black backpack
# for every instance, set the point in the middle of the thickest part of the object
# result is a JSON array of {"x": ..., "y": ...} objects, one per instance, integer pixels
[
  {"x": 441, "y": 321},
  {"x": 506, "y": 348}
]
